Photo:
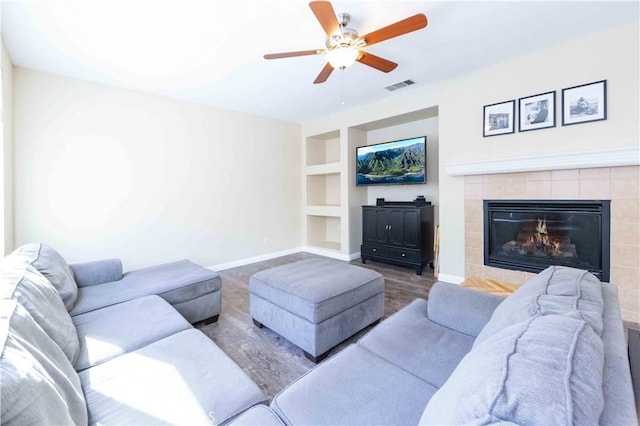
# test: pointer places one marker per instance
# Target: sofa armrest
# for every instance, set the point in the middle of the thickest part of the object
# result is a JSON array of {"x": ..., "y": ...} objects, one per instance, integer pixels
[
  {"x": 460, "y": 308},
  {"x": 97, "y": 272}
]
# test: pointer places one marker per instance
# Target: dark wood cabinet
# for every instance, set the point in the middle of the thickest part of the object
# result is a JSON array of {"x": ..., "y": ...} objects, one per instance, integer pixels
[{"x": 400, "y": 233}]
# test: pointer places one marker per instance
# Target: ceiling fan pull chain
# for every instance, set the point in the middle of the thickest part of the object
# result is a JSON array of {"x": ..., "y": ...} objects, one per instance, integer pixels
[{"x": 341, "y": 87}]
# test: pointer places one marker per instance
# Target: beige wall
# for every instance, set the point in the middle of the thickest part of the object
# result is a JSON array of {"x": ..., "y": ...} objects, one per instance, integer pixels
[
  {"x": 612, "y": 55},
  {"x": 6, "y": 175},
  {"x": 103, "y": 172}
]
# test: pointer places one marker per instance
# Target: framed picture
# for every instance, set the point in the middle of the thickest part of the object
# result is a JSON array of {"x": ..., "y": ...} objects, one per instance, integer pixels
[
  {"x": 584, "y": 103},
  {"x": 537, "y": 112},
  {"x": 499, "y": 118}
]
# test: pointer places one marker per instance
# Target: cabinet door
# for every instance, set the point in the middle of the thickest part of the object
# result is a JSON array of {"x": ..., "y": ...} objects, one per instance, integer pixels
[
  {"x": 382, "y": 225},
  {"x": 411, "y": 228},
  {"x": 396, "y": 227},
  {"x": 369, "y": 228}
]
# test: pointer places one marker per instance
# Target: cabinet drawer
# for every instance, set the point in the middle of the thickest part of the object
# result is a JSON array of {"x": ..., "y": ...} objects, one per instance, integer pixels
[{"x": 391, "y": 252}]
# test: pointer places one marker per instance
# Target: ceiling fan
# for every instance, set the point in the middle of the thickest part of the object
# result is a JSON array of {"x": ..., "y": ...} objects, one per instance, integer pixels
[{"x": 344, "y": 45}]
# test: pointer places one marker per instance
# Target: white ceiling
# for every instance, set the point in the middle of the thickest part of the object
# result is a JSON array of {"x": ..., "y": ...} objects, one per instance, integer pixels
[{"x": 210, "y": 51}]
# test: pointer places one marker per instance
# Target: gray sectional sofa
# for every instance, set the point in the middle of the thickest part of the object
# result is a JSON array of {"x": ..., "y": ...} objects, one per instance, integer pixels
[
  {"x": 552, "y": 353},
  {"x": 87, "y": 344}
]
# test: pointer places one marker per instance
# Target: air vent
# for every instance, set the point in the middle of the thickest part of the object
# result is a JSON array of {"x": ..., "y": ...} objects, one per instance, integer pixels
[{"x": 400, "y": 85}]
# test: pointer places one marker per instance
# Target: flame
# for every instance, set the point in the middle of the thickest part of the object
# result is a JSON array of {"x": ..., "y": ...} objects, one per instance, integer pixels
[
  {"x": 542, "y": 226},
  {"x": 542, "y": 241}
]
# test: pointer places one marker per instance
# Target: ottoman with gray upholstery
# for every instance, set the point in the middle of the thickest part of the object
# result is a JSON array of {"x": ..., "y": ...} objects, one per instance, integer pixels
[{"x": 316, "y": 303}]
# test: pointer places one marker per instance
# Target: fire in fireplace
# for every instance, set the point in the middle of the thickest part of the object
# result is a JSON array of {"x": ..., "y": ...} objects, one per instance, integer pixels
[{"x": 530, "y": 235}]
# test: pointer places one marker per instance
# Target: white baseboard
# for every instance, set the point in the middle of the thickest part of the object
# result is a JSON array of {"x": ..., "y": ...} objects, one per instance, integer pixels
[
  {"x": 249, "y": 260},
  {"x": 327, "y": 253},
  {"x": 312, "y": 250},
  {"x": 452, "y": 279}
]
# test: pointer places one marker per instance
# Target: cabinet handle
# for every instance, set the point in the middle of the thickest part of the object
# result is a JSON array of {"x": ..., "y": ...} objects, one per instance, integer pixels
[
  {"x": 375, "y": 249},
  {"x": 403, "y": 255}
]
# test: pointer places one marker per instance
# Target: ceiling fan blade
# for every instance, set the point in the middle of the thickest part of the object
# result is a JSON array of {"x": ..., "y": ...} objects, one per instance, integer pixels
[
  {"x": 405, "y": 26},
  {"x": 324, "y": 74},
  {"x": 376, "y": 62},
  {"x": 326, "y": 16},
  {"x": 292, "y": 54}
]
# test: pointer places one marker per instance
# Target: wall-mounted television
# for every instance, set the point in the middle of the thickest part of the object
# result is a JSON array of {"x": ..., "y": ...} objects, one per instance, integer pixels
[{"x": 392, "y": 163}]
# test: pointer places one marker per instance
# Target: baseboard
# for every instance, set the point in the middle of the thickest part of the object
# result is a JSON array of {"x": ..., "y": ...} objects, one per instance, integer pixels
[
  {"x": 312, "y": 250},
  {"x": 327, "y": 253},
  {"x": 452, "y": 279},
  {"x": 354, "y": 256},
  {"x": 249, "y": 260}
]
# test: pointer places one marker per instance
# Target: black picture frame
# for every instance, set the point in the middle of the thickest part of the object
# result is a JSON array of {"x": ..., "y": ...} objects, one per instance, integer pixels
[
  {"x": 584, "y": 103},
  {"x": 499, "y": 118},
  {"x": 537, "y": 112}
]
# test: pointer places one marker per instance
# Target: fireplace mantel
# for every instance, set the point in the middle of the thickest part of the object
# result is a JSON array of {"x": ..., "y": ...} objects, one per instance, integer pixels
[{"x": 626, "y": 156}]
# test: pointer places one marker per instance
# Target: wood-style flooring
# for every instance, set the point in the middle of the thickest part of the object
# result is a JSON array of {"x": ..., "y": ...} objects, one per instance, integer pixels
[{"x": 270, "y": 360}]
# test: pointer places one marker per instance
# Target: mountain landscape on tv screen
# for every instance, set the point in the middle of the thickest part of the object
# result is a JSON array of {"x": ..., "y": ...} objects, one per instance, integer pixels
[{"x": 393, "y": 165}]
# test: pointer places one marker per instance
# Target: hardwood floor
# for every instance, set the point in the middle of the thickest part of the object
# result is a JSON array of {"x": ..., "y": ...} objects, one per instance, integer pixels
[{"x": 270, "y": 360}]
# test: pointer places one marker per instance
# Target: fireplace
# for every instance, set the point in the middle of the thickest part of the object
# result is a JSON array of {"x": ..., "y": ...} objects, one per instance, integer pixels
[{"x": 530, "y": 235}]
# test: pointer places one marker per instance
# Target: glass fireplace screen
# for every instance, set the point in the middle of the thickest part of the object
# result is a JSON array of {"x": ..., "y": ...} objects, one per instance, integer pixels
[{"x": 530, "y": 235}]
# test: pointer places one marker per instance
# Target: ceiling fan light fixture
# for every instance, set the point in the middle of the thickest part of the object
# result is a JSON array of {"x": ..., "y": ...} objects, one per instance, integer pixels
[
  {"x": 342, "y": 57},
  {"x": 343, "y": 45}
]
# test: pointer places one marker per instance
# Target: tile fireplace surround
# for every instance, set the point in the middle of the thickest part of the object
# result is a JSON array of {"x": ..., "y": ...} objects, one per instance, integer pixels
[{"x": 618, "y": 184}]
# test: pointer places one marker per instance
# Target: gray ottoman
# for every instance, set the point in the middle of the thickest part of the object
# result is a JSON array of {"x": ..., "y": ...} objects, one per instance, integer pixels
[{"x": 316, "y": 303}]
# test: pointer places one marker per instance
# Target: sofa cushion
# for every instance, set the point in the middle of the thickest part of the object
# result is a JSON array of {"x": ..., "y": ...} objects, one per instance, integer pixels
[
  {"x": 175, "y": 282},
  {"x": 39, "y": 385},
  {"x": 355, "y": 387},
  {"x": 459, "y": 308},
  {"x": 557, "y": 290},
  {"x": 53, "y": 266},
  {"x": 182, "y": 379},
  {"x": 546, "y": 370},
  {"x": 108, "y": 332},
  {"x": 416, "y": 344},
  {"x": 23, "y": 283}
]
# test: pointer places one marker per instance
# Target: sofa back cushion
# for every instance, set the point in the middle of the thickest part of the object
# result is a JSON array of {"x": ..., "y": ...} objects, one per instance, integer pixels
[
  {"x": 53, "y": 266},
  {"x": 460, "y": 308},
  {"x": 557, "y": 290},
  {"x": 39, "y": 384},
  {"x": 543, "y": 371},
  {"x": 24, "y": 284}
]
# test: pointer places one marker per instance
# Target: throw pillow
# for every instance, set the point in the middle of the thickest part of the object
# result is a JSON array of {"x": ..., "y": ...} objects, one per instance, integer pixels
[
  {"x": 558, "y": 290},
  {"x": 53, "y": 266},
  {"x": 39, "y": 384},
  {"x": 23, "y": 283}
]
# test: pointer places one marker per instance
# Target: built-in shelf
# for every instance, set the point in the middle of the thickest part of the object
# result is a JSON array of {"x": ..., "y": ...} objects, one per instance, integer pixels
[
  {"x": 324, "y": 232},
  {"x": 333, "y": 211},
  {"x": 323, "y": 191},
  {"x": 323, "y": 169},
  {"x": 323, "y": 149},
  {"x": 327, "y": 245}
]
